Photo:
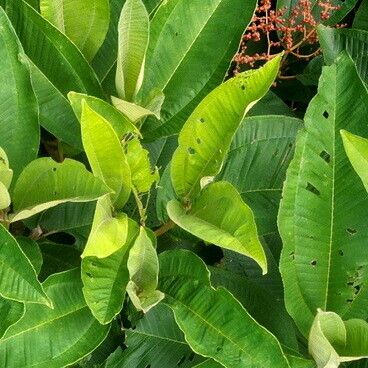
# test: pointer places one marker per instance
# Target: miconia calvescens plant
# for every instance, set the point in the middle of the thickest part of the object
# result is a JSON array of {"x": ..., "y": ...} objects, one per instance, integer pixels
[{"x": 183, "y": 183}]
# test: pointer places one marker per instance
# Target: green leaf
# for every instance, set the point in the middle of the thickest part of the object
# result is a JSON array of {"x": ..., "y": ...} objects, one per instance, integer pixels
[
  {"x": 6, "y": 174},
  {"x": 32, "y": 251},
  {"x": 18, "y": 278},
  {"x": 134, "y": 112},
  {"x": 4, "y": 197},
  {"x": 85, "y": 22},
  {"x": 214, "y": 323},
  {"x": 105, "y": 279},
  {"x": 108, "y": 233},
  {"x": 143, "y": 272},
  {"x": 220, "y": 216},
  {"x": 54, "y": 179},
  {"x": 354, "y": 42},
  {"x": 206, "y": 136},
  {"x": 356, "y": 149},
  {"x": 52, "y": 52},
  {"x": 55, "y": 113},
  {"x": 260, "y": 142},
  {"x": 81, "y": 332},
  {"x": 324, "y": 206},
  {"x": 11, "y": 312},
  {"x": 360, "y": 19},
  {"x": 121, "y": 124},
  {"x": 105, "y": 155},
  {"x": 143, "y": 177},
  {"x": 155, "y": 341},
  {"x": 333, "y": 341},
  {"x": 19, "y": 129},
  {"x": 133, "y": 42},
  {"x": 187, "y": 59}
]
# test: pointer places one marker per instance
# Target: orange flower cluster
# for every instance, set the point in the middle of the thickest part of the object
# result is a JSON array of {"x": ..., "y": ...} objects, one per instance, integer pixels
[{"x": 287, "y": 29}]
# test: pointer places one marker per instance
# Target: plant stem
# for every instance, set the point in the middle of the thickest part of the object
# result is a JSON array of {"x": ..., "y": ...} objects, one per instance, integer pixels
[{"x": 165, "y": 228}]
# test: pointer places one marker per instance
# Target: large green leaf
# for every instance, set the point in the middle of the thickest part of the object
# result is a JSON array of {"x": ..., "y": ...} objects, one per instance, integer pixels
[
  {"x": 57, "y": 187},
  {"x": 55, "y": 112},
  {"x": 186, "y": 58},
  {"x": 38, "y": 326},
  {"x": 51, "y": 51},
  {"x": 133, "y": 42},
  {"x": 143, "y": 273},
  {"x": 322, "y": 218},
  {"x": 261, "y": 142},
  {"x": 121, "y": 124},
  {"x": 18, "y": 278},
  {"x": 333, "y": 341},
  {"x": 19, "y": 130},
  {"x": 220, "y": 216},
  {"x": 156, "y": 341},
  {"x": 353, "y": 41},
  {"x": 356, "y": 149},
  {"x": 361, "y": 19},
  {"x": 206, "y": 136},
  {"x": 85, "y": 22},
  {"x": 105, "y": 279},
  {"x": 105, "y": 155},
  {"x": 214, "y": 323}
]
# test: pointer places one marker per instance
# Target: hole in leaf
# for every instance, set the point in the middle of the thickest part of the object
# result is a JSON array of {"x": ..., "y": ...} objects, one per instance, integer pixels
[
  {"x": 341, "y": 252},
  {"x": 314, "y": 263},
  {"x": 326, "y": 114},
  {"x": 356, "y": 289},
  {"x": 191, "y": 151},
  {"x": 219, "y": 348},
  {"x": 89, "y": 274},
  {"x": 54, "y": 169},
  {"x": 202, "y": 120},
  {"x": 292, "y": 256},
  {"x": 326, "y": 156},
  {"x": 290, "y": 145},
  {"x": 199, "y": 141},
  {"x": 310, "y": 187},
  {"x": 349, "y": 301},
  {"x": 351, "y": 231},
  {"x": 242, "y": 87}
]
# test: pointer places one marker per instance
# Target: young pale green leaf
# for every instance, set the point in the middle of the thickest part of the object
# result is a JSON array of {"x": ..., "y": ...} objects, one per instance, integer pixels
[
  {"x": 143, "y": 177},
  {"x": 108, "y": 233},
  {"x": 6, "y": 174},
  {"x": 214, "y": 323},
  {"x": 182, "y": 35},
  {"x": 19, "y": 128},
  {"x": 57, "y": 187},
  {"x": 206, "y": 136},
  {"x": 81, "y": 332},
  {"x": 85, "y": 22},
  {"x": 105, "y": 279},
  {"x": 333, "y": 341},
  {"x": 4, "y": 197},
  {"x": 356, "y": 149},
  {"x": 133, "y": 42},
  {"x": 220, "y": 216},
  {"x": 52, "y": 52},
  {"x": 143, "y": 272},
  {"x": 105, "y": 155},
  {"x": 134, "y": 112},
  {"x": 18, "y": 278},
  {"x": 120, "y": 123},
  {"x": 157, "y": 341},
  {"x": 322, "y": 218}
]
